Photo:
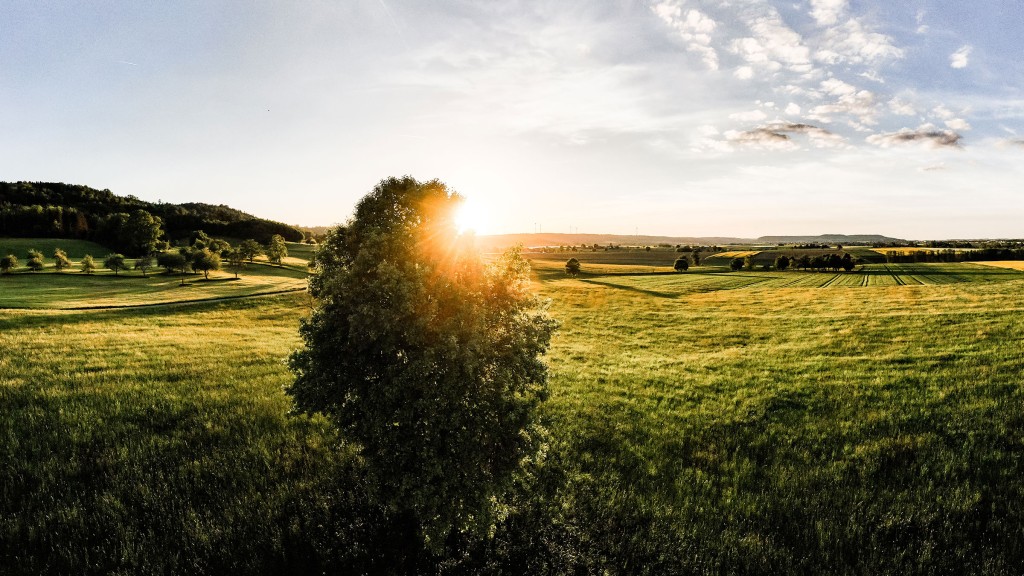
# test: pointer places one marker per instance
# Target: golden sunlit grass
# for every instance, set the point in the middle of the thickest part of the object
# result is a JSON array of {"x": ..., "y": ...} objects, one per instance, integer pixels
[
  {"x": 915, "y": 249},
  {"x": 703, "y": 422},
  {"x": 1010, "y": 264},
  {"x": 76, "y": 290},
  {"x": 737, "y": 254}
]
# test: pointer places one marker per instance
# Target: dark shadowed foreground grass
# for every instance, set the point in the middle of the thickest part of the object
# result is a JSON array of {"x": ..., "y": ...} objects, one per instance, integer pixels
[{"x": 748, "y": 430}]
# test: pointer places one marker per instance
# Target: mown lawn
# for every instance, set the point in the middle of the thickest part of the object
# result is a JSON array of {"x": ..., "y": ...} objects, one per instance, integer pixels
[{"x": 719, "y": 423}]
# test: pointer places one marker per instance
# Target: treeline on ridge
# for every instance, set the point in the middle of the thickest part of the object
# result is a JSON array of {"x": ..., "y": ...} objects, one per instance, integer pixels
[{"x": 57, "y": 210}]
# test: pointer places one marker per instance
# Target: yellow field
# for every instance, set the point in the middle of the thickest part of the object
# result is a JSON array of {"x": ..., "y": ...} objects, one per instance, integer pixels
[
  {"x": 737, "y": 254},
  {"x": 1010, "y": 264}
]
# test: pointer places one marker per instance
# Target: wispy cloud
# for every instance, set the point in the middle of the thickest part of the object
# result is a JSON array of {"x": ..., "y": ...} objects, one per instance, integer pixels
[{"x": 960, "y": 58}]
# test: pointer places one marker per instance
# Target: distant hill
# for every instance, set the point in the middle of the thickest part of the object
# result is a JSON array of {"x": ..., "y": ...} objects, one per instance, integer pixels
[
  {"x": 831, "y": 239},
  {"x": 502, "y": 241},
  {"x": 58, "y": 210}
]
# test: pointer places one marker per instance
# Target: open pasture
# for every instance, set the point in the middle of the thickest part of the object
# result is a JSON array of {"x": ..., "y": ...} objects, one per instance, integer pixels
[
  {"x": 103, "y": 289},
  {"x": 75, "y": 249},
  {"x": 707, "y": 422}
]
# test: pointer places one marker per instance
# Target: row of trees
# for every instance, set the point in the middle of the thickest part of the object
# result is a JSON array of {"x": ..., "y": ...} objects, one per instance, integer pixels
[
  {"x": 817, "y": 263},
  {"x": 204, "y": 254}
]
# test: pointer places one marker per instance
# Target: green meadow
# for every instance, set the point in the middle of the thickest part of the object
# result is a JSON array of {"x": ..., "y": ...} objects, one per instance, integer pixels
[{"x": 708, "y": 422}]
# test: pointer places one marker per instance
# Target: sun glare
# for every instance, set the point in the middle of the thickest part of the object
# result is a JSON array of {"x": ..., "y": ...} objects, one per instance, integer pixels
[{"x": 471, "y": 217}]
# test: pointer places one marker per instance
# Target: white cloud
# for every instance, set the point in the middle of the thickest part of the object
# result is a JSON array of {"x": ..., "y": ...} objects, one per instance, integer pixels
[
  {"x": 744, "y": 73},
  {"x": 793, "y": 109},
  {"x": 827, "y": 12},
  {"x": 853, "y": 43},
  {"x": 958, "y": 124},
  {"x": 773, "y": 45},
  {"x": 901, "y": 108},
  {"x": 959, "y": 59},
  {"x": 693, "y": 26}
]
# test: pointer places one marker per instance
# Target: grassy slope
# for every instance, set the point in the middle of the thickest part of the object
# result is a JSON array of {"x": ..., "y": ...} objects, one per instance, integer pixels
[
  {"x": 75, "y": 249},
  {"x": 75, "y": 289},
  {"x": 751, "y": 430}
]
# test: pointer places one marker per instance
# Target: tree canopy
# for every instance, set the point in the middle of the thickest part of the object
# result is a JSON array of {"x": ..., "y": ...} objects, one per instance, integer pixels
[{"x": 426, "y": 357}]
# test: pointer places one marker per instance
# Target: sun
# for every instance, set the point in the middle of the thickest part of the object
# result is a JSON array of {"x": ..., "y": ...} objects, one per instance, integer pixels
[{"x": 471, "y": 217}]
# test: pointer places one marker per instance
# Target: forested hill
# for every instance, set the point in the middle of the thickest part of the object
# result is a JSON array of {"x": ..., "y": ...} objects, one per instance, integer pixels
[{"x": 57, "y": 210}]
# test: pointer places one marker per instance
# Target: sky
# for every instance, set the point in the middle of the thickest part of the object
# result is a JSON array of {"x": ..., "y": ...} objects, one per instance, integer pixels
[{"x": 664, "y": 117}]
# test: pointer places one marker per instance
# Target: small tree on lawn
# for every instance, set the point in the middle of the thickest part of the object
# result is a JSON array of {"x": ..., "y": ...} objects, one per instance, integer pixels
[
  {"x": 782, "y": 263},
  {"x": 236, "y": 261},
  {"x": 33, "y": 253},
  {"x": 87, "y": 264},
  {"x": 60, "y": 260},
  {"x": 35, "y": 264},
  {"x": 736, "y": 264},
  {"x": 749, "y": 262},
  {"x": 204, "y": 260},
  {"x": 171, "y": 261},
  {"x": 250, "y": 249},
  {"x": 144, "y": 263},
  {"x": 572, "y": 267},
  {"x": 114, "y": 262},
  {"x": 276, "y": 249},
  {"x": 682, "y": 264},
  {"x": 8, "y": 263}
]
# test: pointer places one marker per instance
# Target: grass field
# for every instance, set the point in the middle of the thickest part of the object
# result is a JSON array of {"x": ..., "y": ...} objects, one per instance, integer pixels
[
  {"x": 77, "y": 290},
  {"x": 701, "y": 423},
  {"x": 75, "y": 249}
]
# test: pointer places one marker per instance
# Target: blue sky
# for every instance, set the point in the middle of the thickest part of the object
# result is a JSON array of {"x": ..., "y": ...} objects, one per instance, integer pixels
[{"x": 676, "y": 117}]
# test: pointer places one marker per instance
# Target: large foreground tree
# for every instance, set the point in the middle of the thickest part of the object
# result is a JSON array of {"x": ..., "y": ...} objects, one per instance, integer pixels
[{"x": 427, "y": 357}]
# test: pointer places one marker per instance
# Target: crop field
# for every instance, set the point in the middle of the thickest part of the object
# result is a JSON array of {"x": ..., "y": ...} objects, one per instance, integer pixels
[
  {"x": 1009, "y": 264},
  {"x": 707, "y": 422}
]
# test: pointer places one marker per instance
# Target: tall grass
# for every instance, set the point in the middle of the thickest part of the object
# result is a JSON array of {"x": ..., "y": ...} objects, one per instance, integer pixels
[{"x": 700, "y": 424}]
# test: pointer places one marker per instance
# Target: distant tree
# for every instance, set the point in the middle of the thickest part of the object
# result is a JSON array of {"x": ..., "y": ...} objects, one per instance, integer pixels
[
  {"x": 143, "y": 263},
  {"x": 199, "y": 240},
  {"x": 250, "y": 249},
  {"x": 819, "y": 263},
  {"x": 236, "y": 261},
  {"x": 204, "y": 260},
  {"x": 171, "y": 261},
  {"x": 114, "y": 262},
  {"x": 682, "y": 264},
  {"x": 218, "y": 246},
  {"x": 33, "y": 253},
  {"x": 696, "y": 257},
  {"x": 35, "y": 264},
  {"x": 8, "y": 263},
  {"x": 847, "y": 262},
  {"x": 276, "y": 249},
  {"x": 141, "y": 233},
  {"x": 748, "y": 262},
  {"x": 736, "y": 264},
  {"x": 60, "y": 260},
  {"x": 804, "y": 263},
  {"x": 572, "y": 267},
  {"x": 87, "y": 264},
  {"x": 782, "y": 263},
  {"x": 647, "y": 248}
]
